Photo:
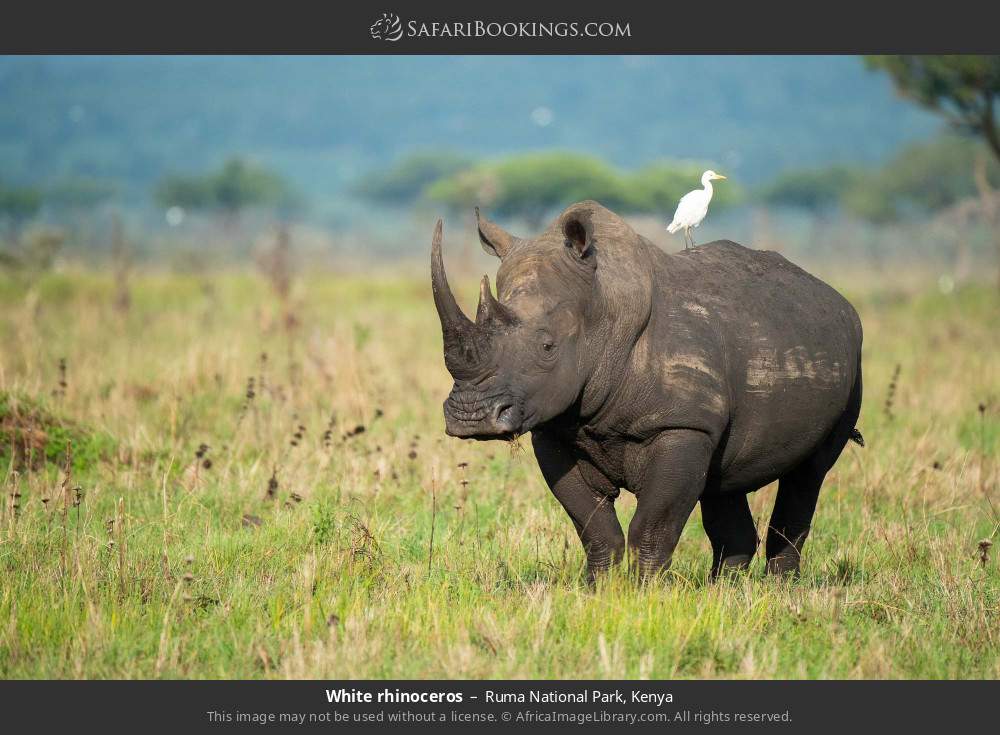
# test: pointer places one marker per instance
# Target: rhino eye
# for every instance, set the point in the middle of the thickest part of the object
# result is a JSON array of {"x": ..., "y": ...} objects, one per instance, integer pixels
[{"x": 546, "y": 343}]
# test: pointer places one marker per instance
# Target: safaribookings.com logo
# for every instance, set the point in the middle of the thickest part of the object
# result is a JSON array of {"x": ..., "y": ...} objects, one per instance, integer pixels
[
  {"x": 390, "y": 28},
  {"x": 387, "y": 28}
]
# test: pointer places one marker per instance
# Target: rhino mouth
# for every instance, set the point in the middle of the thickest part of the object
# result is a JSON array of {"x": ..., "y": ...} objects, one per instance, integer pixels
[{"x": 470, "y": 414}]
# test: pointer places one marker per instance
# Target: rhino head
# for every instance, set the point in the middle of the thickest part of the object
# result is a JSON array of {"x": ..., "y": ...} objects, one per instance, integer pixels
[{"x": 524, "y": 359}]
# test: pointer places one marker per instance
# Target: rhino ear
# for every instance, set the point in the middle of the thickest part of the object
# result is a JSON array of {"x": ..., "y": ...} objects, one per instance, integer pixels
[
  {"x": 579, "y": 235},
  {"x": 495, "y": 240}
]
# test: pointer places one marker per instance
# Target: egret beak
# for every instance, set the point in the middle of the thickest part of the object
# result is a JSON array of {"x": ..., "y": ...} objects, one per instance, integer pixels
[{"x": 719, "y": 176}]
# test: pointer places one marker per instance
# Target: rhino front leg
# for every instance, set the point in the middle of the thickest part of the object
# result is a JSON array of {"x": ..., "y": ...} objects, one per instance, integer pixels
[
  {"x": 592, "y": 510},
  {"x": 672, "y": 479}
]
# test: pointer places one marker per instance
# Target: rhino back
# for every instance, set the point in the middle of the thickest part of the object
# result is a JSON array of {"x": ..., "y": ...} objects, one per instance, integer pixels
[{"x": 775, "y": 351}]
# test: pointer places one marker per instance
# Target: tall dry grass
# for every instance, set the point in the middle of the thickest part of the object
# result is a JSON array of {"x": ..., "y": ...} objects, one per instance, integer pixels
[{"x": 258, "y": 485}]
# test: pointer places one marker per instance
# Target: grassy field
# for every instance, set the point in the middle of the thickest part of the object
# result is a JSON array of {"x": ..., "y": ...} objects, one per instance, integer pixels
[{"x": 259, "y": 485}]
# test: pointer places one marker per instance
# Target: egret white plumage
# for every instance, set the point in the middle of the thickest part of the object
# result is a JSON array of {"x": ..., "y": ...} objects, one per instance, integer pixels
[{"x": 693, "y": 207}]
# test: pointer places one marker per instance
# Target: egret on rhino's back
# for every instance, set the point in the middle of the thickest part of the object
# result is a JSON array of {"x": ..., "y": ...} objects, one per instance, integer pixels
[{"x": 693, "y": 207}]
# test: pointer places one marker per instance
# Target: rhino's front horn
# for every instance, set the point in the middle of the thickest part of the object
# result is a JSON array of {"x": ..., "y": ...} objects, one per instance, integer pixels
[{"x": 454, "y": 323}]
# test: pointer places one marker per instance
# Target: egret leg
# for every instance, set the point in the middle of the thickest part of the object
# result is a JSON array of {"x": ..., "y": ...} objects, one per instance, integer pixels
[{"x": 687, "y": 238}]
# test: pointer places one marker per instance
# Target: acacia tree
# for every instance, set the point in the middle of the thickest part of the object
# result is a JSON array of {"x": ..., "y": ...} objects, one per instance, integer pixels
[
  {"x": 406, "y": 180},
  {"x": 965, "y": 89},
  {"x": 236, "y": 186}
]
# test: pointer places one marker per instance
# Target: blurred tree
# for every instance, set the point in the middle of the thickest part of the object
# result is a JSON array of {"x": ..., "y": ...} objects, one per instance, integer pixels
[
  {"x": 236, "y": 186},
  {"x": 240, "y": 185},
  {"x": 80, "y": 193},
  {"x": 18, "y": 204},
  {"x": 815, "y": 189},
  {"x": 190, "y": 192},
  {"x": 33, "y": 253},
  {"x": 923, "y": 178},
  {"x": 405, "y": 181},
  {"x": 658, "y": 187},
  {"x": 532, "y": 185},
  {"x": 965, "y": 89},
  {"x": 40, "y": 248},
  {"x": 465, "y": 189}
]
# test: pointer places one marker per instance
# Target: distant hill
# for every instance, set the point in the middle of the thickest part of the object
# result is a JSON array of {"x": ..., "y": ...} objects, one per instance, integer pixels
[{"x": 323, "y": 122}]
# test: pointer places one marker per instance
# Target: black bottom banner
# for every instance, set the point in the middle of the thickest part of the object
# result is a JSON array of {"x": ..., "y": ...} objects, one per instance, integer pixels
[{"x": 681, "y": 706}]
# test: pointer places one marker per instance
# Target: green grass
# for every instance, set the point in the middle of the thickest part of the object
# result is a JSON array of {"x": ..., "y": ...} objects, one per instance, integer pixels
[
  {"x": 166, "y": 568},
  {"x": 32, "y": 435}
]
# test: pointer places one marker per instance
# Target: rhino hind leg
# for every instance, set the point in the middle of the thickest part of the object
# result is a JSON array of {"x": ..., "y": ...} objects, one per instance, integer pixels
[
  {"x": 732, "y": 531},
  {"x": 799, "y": 489},
  {"x": 791, "y": 518}
]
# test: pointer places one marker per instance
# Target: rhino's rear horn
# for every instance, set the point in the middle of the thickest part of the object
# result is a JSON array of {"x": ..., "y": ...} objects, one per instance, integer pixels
[
  {"x": 495, "y": 239},
  {"x": 490, "y": 310}
]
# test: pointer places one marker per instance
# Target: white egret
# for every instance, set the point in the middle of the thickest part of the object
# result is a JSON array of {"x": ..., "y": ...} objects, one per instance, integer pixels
[{"x": 693, "y": 207}]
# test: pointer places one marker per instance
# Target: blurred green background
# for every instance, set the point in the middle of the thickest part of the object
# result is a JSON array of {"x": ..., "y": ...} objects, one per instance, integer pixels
[{"x": 195, "y": 160}]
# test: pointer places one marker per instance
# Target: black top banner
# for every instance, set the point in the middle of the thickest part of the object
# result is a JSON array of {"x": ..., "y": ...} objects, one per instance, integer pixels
[{"x": 395, "y": 27}]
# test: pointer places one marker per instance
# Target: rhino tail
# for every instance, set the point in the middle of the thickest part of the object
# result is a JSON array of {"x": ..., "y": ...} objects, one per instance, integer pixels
[{"x": 857, "y": 438}]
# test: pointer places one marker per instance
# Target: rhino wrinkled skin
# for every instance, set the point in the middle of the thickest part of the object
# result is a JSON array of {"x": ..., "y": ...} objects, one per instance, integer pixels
[{"x": 698, "y": 376}]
